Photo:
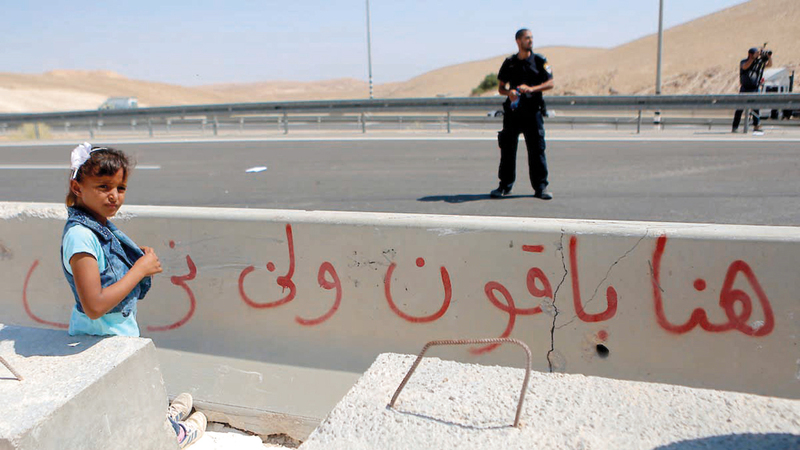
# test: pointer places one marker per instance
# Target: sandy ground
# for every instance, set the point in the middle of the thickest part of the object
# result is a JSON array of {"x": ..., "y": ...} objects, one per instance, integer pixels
[{"x": 700, "y": 57}]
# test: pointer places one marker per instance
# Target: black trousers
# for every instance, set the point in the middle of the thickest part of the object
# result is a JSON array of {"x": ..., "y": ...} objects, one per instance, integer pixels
[
  {"x": 737, "y": 116},
  {"x": 531, "y": 125}
]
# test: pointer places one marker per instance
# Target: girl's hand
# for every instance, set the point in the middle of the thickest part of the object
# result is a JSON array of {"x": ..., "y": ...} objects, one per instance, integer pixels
[{"x": 149, "y": 263}]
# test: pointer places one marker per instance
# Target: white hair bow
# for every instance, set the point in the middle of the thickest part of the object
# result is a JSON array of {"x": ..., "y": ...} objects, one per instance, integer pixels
[{"x": 79, "y": 156}]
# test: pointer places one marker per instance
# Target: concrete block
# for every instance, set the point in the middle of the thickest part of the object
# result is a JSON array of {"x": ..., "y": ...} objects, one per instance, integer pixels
[
  {"x": 81, "y": 392},
  {"x": 449, "y": 405}
]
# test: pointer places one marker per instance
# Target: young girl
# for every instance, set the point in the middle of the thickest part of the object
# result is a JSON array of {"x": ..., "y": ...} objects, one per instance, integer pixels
[{"x": 107, "y": 272}]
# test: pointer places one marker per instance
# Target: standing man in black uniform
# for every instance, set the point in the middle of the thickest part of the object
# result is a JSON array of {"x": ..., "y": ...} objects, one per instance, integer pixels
[
  {"x": 750, "y": 79},
  {"x": 523, "y": 77}
]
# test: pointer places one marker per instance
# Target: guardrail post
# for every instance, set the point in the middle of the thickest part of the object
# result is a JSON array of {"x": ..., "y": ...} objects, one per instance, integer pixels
[
  {"x": 241, "y": 124},
  {"x": 363, "y": 123},
  {"x": 746, "y": 120},
  {"x": 448, "y": 122},
  {"x": 169, "y": 124},
  {"x": 150, "y": 127},
  {"x": 285, "y": 123},
  {"x": 216, "y": 126},
  {"x": 639, "y": 123}
]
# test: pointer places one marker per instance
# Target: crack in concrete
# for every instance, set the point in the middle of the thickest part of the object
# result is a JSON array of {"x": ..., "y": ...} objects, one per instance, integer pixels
[
  {"x": 555, "y": 294},
  {"x": 653, "y": 276},
  {"x": 608, "y": 273},
  {"x": 612, "y": 266}
]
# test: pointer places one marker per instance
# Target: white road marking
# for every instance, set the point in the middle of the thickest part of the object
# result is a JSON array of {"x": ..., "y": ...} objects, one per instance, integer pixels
[
  {"x": 731, "y": 140},
  {"x": 474, "y": 138},
  {"x": 56, "y": 167}
]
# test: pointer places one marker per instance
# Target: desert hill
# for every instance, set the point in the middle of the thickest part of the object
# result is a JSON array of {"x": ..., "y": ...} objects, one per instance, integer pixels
[
  {"x": 339, "y": 88},
  {"x": 452, "y": 81},
  {"x": 61, "y": 90},
  {"x": 700, "y": 57}
]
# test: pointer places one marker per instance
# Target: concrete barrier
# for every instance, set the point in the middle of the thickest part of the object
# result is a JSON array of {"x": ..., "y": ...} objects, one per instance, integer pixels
[
  {"x": 268, "y": 311},
  {"x": 81, "y": 392}
]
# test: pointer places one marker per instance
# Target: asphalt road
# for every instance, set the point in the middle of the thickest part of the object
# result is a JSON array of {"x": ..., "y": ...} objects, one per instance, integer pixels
[{"x": 742, "y": 182}]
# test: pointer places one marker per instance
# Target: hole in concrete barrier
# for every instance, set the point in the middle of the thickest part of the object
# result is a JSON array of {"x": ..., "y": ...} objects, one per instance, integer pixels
[{"x": 602, "y": 351}]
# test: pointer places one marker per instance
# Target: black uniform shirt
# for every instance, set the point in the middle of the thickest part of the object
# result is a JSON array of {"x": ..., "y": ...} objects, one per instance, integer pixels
[
  {"x": 749, "y": 77},
  {"x": 531, "y": 71}
]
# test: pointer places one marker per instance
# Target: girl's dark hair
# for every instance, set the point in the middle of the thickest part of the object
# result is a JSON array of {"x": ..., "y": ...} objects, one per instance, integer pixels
[{"x": 103, "y": 161}]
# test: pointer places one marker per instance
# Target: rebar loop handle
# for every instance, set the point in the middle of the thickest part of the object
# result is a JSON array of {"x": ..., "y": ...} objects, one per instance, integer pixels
[
  {"x": 468, "y": 342},
  {"x": 11, "y": 369}
]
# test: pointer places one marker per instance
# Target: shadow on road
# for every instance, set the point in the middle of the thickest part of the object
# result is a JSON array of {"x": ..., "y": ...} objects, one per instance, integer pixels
[{"x": 463, "y": 198}]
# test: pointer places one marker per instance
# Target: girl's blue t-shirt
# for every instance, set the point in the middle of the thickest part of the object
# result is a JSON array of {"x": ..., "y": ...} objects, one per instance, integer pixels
[{"x": 80, "y": 239}]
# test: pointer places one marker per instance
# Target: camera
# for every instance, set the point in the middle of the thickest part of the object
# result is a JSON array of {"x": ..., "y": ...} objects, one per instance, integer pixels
[{"x": 764, "y": 53}]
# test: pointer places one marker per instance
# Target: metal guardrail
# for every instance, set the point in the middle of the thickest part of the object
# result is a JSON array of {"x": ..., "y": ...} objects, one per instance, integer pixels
[
  {"x": 633, "y": 102},
  {"x": 214, "y": 114}
]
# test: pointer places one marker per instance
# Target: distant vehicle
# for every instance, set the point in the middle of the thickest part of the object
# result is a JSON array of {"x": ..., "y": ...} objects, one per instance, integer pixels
[
  {"x": 120, "y": 103},
  {"x": 780, "y": 81}
]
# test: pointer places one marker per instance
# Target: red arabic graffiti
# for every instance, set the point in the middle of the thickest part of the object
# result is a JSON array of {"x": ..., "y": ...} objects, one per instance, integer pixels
[
  {"x": 728, "y": 297},
  {"x": 735, "y": 303},
  {"x": 611, "y": 293},
  {"x": 448, "y": 295},
  {"x": 181, "y": 281},
  {"x": 546, "y": 291},
  {"x": 27, "y": 306},
  {"x": 283, "y": 281},
  {"x": 333, "y": 283},
  {"x": 327, "y": 278}
]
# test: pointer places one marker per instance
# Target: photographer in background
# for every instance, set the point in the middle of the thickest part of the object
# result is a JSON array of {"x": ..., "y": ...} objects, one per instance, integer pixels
[{"x": 751, "y": 72}]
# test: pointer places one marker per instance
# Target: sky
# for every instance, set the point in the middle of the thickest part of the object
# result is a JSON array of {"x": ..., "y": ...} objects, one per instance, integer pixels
[{"x": 202, "y": 42}]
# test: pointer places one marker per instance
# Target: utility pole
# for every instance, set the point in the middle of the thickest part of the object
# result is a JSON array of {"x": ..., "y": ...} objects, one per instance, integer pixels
[
  {"x": 369, "y": 53},
  {"x": 660, "y": 44},
  {"x": 657, "y": 117}
]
